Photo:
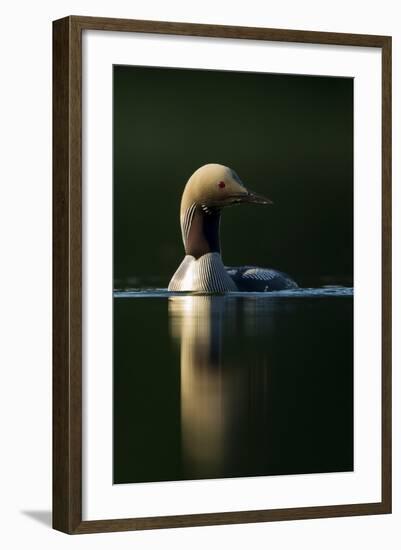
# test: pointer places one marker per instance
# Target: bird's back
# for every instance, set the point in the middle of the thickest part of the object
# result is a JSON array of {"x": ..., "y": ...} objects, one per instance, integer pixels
[
  {"x": 208, "y": 274},
  {"x": 250, "y": 278}
]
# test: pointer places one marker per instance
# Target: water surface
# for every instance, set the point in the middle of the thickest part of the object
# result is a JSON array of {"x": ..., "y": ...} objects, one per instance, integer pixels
[{"x": 241, "y": 384}]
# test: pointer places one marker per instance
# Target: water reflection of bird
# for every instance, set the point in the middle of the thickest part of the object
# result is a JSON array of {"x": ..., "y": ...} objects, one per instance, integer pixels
[
  {"x": 196, "y": 325},
  {"x": 211, "y": 188},
  {"x": 225, "y": 414}
]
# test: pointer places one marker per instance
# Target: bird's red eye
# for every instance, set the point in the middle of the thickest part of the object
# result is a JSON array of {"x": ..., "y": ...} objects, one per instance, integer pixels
[{"x": 221, "y": 184}]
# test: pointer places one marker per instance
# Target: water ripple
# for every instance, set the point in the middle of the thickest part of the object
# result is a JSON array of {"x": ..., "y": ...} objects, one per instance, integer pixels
[{"x": 320, "y": 292}]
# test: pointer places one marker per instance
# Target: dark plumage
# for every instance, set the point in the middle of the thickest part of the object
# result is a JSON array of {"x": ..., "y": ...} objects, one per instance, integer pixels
[{"x": 250, "y": 278}]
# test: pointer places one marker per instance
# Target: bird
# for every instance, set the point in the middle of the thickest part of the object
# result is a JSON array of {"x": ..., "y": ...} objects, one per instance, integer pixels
[{"x": 211, "y": 188}]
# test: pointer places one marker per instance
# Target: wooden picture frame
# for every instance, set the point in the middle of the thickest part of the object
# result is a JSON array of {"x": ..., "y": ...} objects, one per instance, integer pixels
[{"x": 67, "y": 274}]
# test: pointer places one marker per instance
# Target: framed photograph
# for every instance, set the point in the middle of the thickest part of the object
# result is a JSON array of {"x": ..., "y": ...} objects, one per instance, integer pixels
[{"x": 217, "y": 365}]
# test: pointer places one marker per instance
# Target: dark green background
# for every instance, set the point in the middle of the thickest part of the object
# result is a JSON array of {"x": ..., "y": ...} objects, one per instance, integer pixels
[{"x": 289, "y": 137}]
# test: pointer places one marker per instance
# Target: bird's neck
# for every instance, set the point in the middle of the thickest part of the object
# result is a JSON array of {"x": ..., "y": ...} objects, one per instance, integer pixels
[{"x": 200, "y": 228}]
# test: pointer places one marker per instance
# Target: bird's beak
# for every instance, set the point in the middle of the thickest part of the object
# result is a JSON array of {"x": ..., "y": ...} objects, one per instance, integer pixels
[
  {"x": 254, "y": 198},
  {"x": 251, "y": 198}
]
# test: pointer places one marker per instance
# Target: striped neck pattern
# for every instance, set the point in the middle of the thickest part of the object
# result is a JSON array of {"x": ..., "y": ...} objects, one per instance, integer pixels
[{"x": 200, "y": 227}]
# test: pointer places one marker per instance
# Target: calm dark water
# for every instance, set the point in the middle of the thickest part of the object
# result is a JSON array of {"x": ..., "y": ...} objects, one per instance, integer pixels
[{"x": 232, "y": 385}]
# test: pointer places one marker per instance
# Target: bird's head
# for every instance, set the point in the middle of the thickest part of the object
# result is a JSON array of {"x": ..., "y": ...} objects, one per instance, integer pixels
[{"x": 217, "y": 186}]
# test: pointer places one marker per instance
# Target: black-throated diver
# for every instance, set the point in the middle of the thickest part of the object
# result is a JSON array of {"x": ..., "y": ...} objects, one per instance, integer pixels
[{"x": 209, "y": 189}]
